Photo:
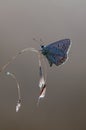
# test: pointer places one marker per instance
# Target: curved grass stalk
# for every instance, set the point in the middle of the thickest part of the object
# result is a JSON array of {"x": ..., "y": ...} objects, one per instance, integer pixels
[
  {"x": 14, "y": 57},
  {"x": 42, "y": 81},
  {"x": 19, "y": 93}
]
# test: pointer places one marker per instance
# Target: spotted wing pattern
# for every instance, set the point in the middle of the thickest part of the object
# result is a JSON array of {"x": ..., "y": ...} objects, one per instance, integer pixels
[
  {"x": 57, "y": 52},
  {"x": 55, "y": 59},
  {"x": 62, "y": 45}
]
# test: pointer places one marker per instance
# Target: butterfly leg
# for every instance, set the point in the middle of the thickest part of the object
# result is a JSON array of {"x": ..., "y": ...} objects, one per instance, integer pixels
[
  {"x": 51, "y": 60},
  {"x": 50, "y": 63}
]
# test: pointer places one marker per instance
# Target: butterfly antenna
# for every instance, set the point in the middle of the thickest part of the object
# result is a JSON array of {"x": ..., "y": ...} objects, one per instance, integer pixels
[{"x": 40, "y": 42}]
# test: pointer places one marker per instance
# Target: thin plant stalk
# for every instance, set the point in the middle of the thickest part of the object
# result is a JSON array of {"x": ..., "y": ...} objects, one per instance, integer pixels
[
  {"x": 19, "y": 93},
  {"x": 42, "y": 81},
  {"x": 18, "y": 54}
]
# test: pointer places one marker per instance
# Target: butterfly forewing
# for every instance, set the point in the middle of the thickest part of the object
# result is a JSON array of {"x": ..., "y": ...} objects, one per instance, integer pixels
[{"x": 62, "y": 45}]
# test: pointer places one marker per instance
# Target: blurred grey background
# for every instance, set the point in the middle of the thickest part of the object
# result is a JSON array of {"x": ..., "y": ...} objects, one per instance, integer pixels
[{"x": 64, "y": 107}]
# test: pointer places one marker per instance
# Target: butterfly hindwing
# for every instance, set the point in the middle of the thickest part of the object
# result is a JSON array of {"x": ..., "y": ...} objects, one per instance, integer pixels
[{"x": 55, "y": 59}]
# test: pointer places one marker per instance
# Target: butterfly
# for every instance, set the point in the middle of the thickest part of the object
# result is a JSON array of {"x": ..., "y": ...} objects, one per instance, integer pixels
[{"x": 56, "y": 52}]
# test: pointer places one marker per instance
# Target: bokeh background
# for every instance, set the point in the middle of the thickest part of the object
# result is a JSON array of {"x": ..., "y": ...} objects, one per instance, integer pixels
[{"x": 64, "y": 107}]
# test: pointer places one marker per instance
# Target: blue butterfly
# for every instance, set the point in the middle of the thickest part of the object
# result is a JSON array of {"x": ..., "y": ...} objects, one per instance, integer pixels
[{"x": 56, "y": 52}]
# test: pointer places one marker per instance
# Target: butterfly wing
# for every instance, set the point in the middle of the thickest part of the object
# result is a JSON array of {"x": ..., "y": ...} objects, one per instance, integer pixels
[
  {"x": 62, "y": 46},
  {"x": 56, "y": 59},
  {"x": 57, "y": 52}
]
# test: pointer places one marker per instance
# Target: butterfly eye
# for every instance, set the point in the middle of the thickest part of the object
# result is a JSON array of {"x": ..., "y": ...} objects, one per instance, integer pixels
[{"x": 42, "y": 46}]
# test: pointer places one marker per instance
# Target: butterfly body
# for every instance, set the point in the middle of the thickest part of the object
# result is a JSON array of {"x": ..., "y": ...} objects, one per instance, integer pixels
[{"x": 56, "y": 53}]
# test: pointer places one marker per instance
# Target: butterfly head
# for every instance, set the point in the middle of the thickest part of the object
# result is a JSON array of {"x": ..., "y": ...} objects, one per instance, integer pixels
[{"x": 42, "y": 46}]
